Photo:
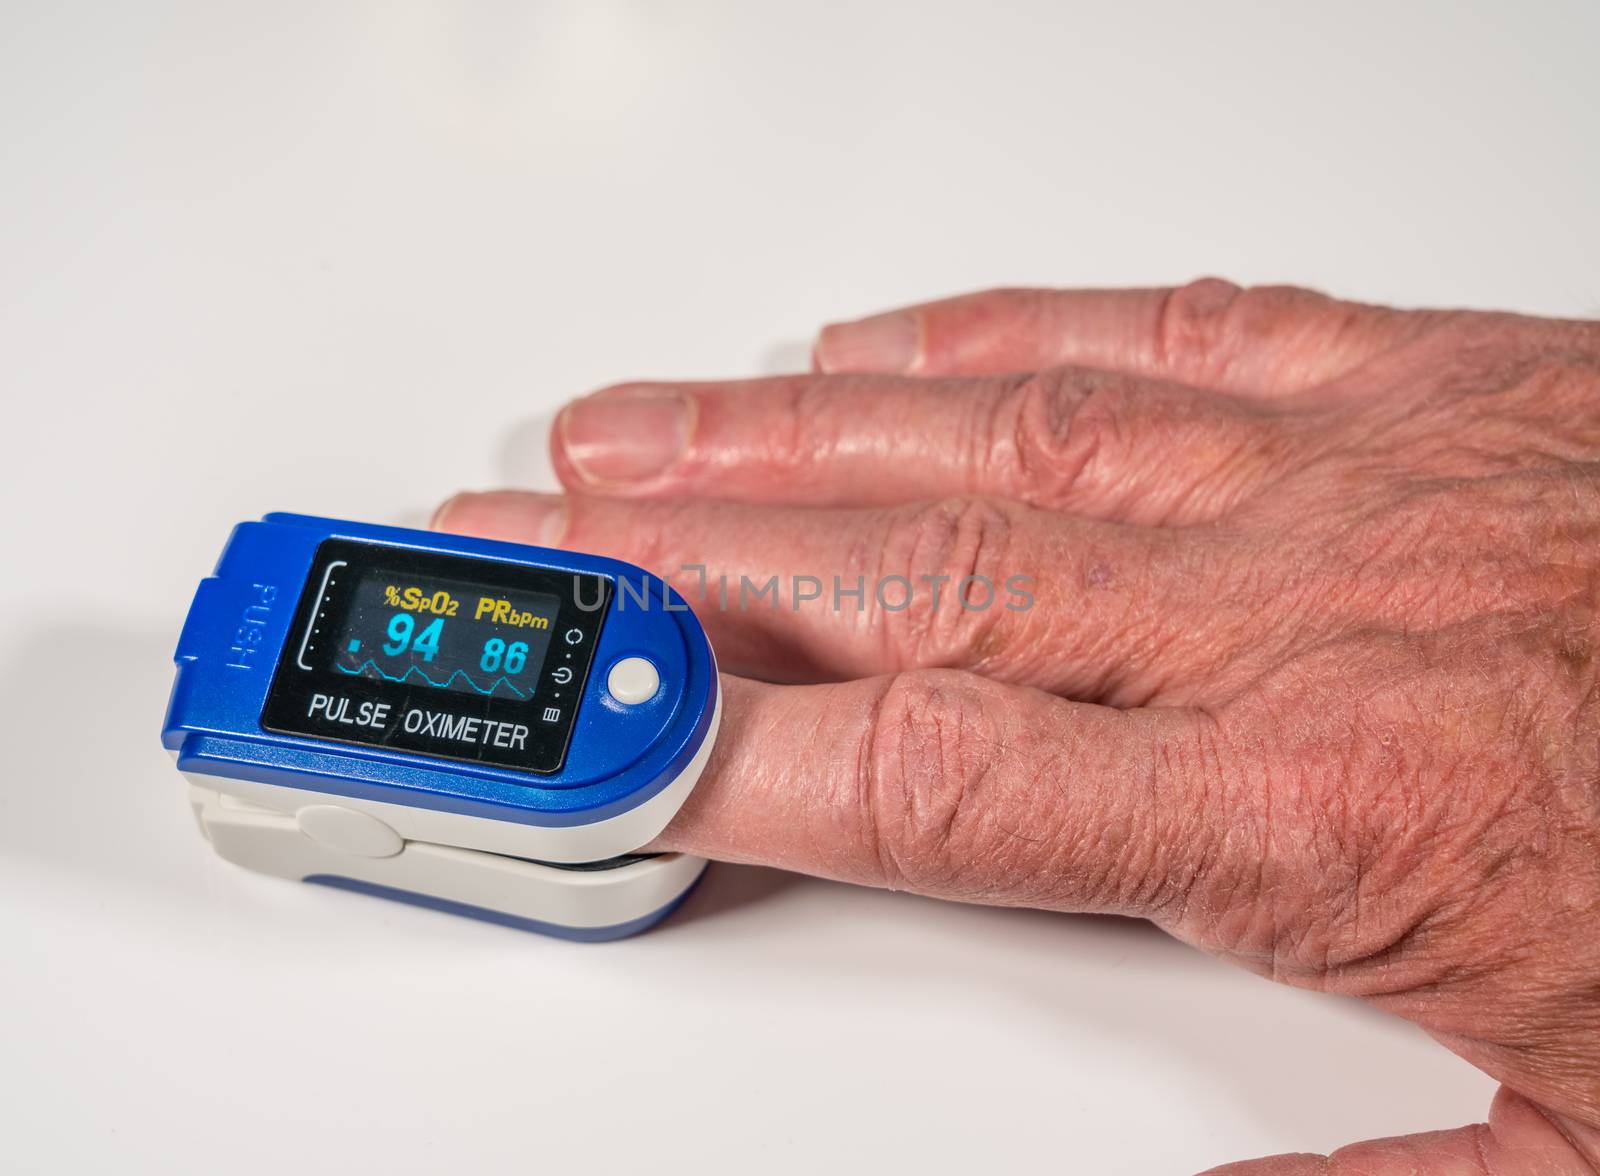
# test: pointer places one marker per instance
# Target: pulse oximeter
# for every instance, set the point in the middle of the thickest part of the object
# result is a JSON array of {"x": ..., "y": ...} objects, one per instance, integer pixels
[{"x": 479, "y": 727}]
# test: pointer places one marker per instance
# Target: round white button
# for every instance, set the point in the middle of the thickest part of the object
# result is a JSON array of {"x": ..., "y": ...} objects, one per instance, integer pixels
[
  {"x": 348, "y": 831},
  {"x": 633, "y": 680}
]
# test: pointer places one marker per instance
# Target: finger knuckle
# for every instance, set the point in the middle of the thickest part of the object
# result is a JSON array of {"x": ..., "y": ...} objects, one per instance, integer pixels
[
  {"x": 1191, "y": 322},
  {"x": 954, "y": 555},
  {"x": 1072, "y": 434},
  {"x": 929, "y": 747},
  {"x": 1144, "y": 451},
  {"x": 1203, "y": 327}
]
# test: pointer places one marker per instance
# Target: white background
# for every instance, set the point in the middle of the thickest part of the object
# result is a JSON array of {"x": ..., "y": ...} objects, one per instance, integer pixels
[{"x": 349, "y": 258}]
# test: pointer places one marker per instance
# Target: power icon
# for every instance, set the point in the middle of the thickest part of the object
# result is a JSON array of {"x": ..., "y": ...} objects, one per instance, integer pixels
[{"x": 562, "y": 675}]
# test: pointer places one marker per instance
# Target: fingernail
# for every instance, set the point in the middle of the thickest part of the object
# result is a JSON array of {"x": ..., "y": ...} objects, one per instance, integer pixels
[
  {"x": 539, "y": 519},
  {"x": 882, "y": 343},
  {"x": 627, "y": 435}
]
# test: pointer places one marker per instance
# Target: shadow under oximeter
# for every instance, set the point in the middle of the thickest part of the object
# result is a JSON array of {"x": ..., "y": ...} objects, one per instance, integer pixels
[{"x": 477, "y": 727}]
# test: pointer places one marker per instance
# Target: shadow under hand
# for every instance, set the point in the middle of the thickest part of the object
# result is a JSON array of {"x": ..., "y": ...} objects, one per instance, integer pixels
[
  {"x": 1084, "y": 985},
  {"x": 727, "y": 887}
]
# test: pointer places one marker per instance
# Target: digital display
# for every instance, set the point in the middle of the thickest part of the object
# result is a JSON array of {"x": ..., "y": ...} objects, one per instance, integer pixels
[
  {"x": 446, "y": 655},
  {"x": 450, "y": 634}
]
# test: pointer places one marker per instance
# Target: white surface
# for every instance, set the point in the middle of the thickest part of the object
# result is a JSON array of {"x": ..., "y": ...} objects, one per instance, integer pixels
[
  {"x": 349, "y": 258},
  {"x": 274, "y": 843},
  {"x": 632, "y": 680}
]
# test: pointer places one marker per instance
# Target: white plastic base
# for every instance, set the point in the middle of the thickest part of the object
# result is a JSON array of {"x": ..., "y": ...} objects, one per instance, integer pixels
[
  {"x": 595, "y": 842},
  {"x": 304, "y": 844}
]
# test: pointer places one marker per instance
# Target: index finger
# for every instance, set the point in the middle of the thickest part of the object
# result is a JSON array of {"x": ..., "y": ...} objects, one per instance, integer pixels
[{"x": 950, "y": 785}]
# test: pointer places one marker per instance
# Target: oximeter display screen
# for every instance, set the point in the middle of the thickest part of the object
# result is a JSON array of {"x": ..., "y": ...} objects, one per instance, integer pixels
[
  {"x": 446, "y": 633},
  {"x": 448, "y": 655}
]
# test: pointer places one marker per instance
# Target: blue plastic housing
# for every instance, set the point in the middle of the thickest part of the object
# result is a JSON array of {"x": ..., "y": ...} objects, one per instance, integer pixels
[{"x": 618, "y": 757}]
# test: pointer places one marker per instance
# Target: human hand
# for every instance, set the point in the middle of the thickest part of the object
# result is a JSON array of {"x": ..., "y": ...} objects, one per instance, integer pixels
[{"x": 1309, "y": 675}]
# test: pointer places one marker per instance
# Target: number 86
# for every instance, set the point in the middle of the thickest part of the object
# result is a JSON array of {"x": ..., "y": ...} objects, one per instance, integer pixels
[{"x": 494, "y": 650}]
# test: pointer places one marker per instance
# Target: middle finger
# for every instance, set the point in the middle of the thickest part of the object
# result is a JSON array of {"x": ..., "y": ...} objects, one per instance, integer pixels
[
  {"x": 1105, "y": 444},
  {"x": 1088, "y": 609}
]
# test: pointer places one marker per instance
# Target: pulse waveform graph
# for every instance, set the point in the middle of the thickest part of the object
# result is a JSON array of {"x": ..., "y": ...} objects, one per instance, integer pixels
[{"x": 378, "y": 671}]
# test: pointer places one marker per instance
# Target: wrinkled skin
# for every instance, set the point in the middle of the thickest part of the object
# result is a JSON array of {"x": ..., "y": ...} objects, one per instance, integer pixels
[{"x": 1310, "y": 678}]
